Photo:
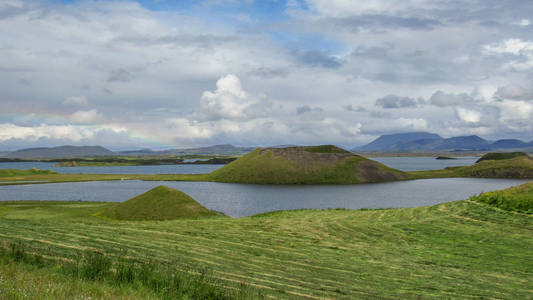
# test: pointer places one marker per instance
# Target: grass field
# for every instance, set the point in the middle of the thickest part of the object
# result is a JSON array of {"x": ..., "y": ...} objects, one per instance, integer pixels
[{"x": 465, "y": 249}]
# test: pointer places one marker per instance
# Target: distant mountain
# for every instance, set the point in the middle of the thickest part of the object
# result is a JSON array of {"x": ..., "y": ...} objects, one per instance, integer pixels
[
  {"x": 385, "y": 141},
  {"x": 60, "y": 152},
  {"x": 225, "y": 149},
  {"x": 510, "y": 144},
  {"x": 405, "y": 142}
]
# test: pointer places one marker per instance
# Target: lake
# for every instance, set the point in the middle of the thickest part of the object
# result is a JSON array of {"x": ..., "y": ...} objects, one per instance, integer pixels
[
  {"x": 400, "y": 163},
  {"x": 239, "y": 200},
  {"x": 424, "y": 163},
  {"x": 157, "y": 169}
]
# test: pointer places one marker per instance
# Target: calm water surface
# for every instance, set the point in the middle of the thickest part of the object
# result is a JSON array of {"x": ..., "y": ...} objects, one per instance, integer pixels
[
  {"x": 400, "y": 163},
  {"x": 424, "y": 163},
  {"x": 159, "y": 169},
  {"x": 238, "y": 200}
]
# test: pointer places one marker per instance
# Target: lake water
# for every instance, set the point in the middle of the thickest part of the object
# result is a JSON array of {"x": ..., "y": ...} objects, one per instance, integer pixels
[
  {"x": 159, "y": 169},
  {"x": 238, "y": 200},
  {"x": 424, "y": 163},
  {"x": 400, "y": 163}
]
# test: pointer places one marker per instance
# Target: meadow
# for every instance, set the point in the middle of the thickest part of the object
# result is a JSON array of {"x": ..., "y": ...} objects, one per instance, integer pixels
[{"x": 465, "y": 249}]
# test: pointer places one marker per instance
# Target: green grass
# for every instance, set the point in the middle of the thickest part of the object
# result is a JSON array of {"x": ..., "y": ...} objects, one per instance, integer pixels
[
  {"x": 520, "y": 167},
  {"x": 307, "y": 165},
  {"x": 107, "y": 277},
  {"x": 465, "y": 249},
  {"x": 501, "y": 156},
  {"x": 30, "y": 172},
  {"x": 518, "y": 198},
  {"x": 160, "y": 203}
]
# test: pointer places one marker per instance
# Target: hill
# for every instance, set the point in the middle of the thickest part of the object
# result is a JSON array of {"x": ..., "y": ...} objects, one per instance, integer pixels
[
  {"x": 502, "y": 156},
  {"x": 160, "y": 203},
  {"x": 304, "y": 165},
  {"x": 225, "y": 149},
  {"x": 60, "y": 152},
  {"x": 385, "y": 141}
]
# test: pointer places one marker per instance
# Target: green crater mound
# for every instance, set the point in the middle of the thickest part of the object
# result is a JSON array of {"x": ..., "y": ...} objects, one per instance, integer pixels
[
  {"x": 519, "y": 167},
  {"x": 160, "y": 203},
  {"x": 502, "y": 156},
  {"x": 326, "y": 164}
]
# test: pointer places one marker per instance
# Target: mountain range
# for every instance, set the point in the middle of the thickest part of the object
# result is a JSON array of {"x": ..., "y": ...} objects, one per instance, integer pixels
[
  {"x": 429, "y": 142},
  {"x": 94, "y": 151}
]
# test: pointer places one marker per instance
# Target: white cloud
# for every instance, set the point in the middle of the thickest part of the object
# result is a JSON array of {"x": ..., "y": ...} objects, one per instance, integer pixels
[
  {"x": 187, "y": 130},
  {"x": 86, "y": 116},
  {"x": 343, "y": 8},
  {"x": 509, "y": 46},
  {"x": 76, "y": 100},
  {"x": 69, "y": 132},
  {"x": 469, "y": 116},
  {"x": 523, "y": 22},
  {"x": 228, "y": 101}
]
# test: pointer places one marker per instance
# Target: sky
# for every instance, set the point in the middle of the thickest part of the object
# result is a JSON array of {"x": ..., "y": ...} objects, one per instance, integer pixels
[{"x": 175, "y": 74}]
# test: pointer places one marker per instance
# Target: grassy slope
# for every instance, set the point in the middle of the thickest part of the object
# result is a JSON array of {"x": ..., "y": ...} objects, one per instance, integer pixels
[
  {"x": 31, "y": 172},
  {"x": 160, "y": 203},
  {"x": 517, "y": 167},
  {"x": 267, "y": 168},
  {"x": 463, "y": 249},
  {"x": 518, "y": 198},
  {"x": 501, "y": 155}
]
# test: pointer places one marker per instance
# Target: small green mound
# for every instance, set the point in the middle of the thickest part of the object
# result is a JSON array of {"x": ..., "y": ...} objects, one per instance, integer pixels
[
  {"x": 518, "y": 198},
  {"x": 501, "y": 156},
  {"x": 160, "y": 203},
  {"x": 32, "y": 171},
  {"x": 304, "y": 165}
]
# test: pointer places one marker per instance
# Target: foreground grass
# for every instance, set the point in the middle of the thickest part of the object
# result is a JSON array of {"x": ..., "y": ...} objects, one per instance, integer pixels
[{"x": 465, "y": 249}]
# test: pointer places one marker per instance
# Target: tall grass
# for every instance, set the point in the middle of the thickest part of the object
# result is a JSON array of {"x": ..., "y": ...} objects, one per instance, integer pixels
[{"x": 164, "y": 281}]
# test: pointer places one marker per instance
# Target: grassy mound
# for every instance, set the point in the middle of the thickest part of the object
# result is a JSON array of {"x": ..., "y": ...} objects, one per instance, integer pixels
[
  {"x": 501, "y": 156},
  {"x": 160, "y": 203},
  {"x": 305, "y": 165},
  {"x": 518, "y": 198},
  {"x": 517, "y": 167},
  {"x": 32, "y": 171}
]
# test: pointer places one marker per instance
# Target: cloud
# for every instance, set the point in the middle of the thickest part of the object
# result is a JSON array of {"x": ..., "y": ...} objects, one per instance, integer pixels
[
  {"x": 120, "y": 75},
  {"x": 228, "y": 101},
  {"x": 442, "y": 99},
  {"x": 393, "y": 101},
  {"x": 61, "y": 132},
  {"x": 76, "y": 100},
  {"x": 514, "y": 92},
  {"x": 307, "y": 109},
  {"x": 318, "y": 59},
  {"x": 86, "y": 116},
  {"x": 469, "y": 116},
  {"x": 520, "y": 49}
]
